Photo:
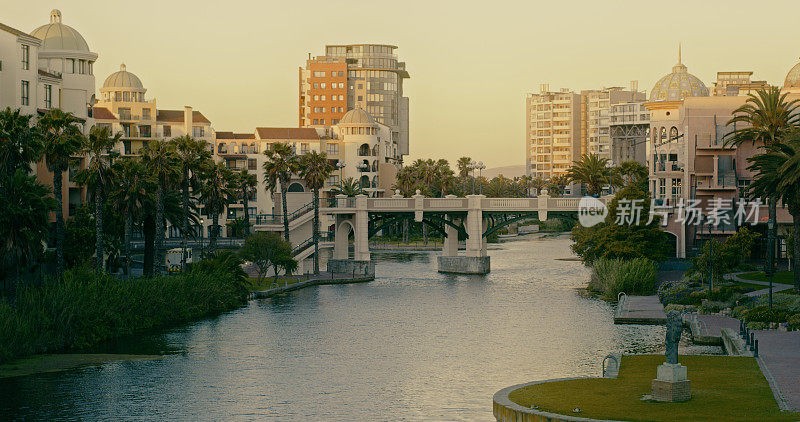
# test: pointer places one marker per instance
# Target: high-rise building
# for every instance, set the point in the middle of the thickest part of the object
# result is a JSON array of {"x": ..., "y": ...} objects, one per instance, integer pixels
[
  {"x": 596, "y": 116},
  {"x": 736, "y": 83},
  {"x": 630, "y": 129},
  {"x": 553, "y": 132},
  {"x": 368, "y": 76}
]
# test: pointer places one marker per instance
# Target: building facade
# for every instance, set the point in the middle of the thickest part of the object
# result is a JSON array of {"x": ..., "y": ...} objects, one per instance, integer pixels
[
  {"x": 368, "y": 76},
  {"x": 553, "y": 132},
  {"x": 629, "y": 127},
  {"x": 596, "y": 117},
  {"x": 736, "y": 83}
]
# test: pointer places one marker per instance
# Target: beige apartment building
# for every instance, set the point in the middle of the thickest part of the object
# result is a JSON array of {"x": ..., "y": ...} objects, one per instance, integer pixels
[
  {"x": 553, "y": 132},
  {"x": 596, "y": 107},
  {"x": 736, "y": 83}
]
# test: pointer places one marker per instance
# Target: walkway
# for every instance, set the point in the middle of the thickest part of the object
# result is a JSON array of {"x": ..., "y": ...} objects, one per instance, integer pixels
[
  {"x": 646, "y": 310},
  {"x": 776, "y": 287}
]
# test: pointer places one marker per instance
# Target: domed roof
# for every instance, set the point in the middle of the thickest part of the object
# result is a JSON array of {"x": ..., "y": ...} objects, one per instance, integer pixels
[
  {"x": 678, "y": 85},
  {"x": 793, "y": 77},
  {"x": 357, "y": 116},
  {"x": 57, "y": 36},
  {"x": 123, "y": 79}
]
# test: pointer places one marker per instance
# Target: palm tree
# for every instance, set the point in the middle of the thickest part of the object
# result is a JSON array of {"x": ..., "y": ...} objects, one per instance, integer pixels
[
  {"x": 129, "y": 195},
  {"x": 20, "y": 144},
  {"x": 766, "y": 116},
  {"x": 315, "y": 170},
  {"x": 556, "y": 185},
  {"x": 538, "y": 184},
  {"x": 406, "y": 183},
  {"x": 98, "y": 176},
  {"x": 593, "y": 172},
  {"x": 278, "y": 169},
  {"x": 215, "y": 194},
  {"x": 632, "y": 172},
  {"x": 192, "y": 156},
  {"x": 777, "y": 175},
  {"x": 26, "y": 206},
  {"x": 161, "y": 161},
  {"x": 246, "y": 184},
  {"x": 347, "y": 187},
  {"x": 463, "y": 166},
  {"x": 62, "y": 140}
]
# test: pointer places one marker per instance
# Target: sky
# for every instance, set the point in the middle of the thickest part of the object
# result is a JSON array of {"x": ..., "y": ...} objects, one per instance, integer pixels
[{"x": 470, "y": 66}]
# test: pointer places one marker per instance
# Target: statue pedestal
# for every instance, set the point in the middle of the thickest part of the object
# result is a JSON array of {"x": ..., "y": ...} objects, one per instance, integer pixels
[{"x": 671, "y": 384}]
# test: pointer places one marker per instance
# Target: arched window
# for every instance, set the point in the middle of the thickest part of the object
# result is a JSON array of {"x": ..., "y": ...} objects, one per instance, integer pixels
[
  {"x": 296, "y": 187},
  {"x": 663, "y": 134},
  {"x": 673, "y": 133},
  {"x": 222, "y": 149},
  {"x": 235, "y": 148}
]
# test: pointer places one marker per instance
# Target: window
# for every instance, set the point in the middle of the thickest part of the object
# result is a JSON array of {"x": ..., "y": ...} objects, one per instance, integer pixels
[
  {"x": 304, "y": 148},
  {"x": 26, "y": 57},
  {"x": 316, "y": 98},
  {"x": 25, "y": 97},
  {"x": 316, "y": 121},
  {"x": 82, "y": 66},
  {"x": 91, "y": 68},
  {"x": 673, "y": 133},
  {"x": 322, "y": 85},
  {"x": 662, "y": 188},
  {"x": 319, "y": 74},
  {"x": 677, "y": 189},
  {"x": 167, "y": 131},
  {"x": 71, "y": 67},
  {"x": 145, "y": 114},
  {"x": 251, "y": 163},
  {"x": 322, "y": 98},
  {"x": 322, "y": 121},
  {"x": 48, "y": 96},
  {"x": 144, "y": 131},
  {"x": 316, "y": 86},
  {"x": 332, "y": 149},
  {"x": 198, "y": 132}
]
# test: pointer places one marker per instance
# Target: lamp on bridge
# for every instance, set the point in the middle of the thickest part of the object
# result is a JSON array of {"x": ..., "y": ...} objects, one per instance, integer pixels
[{"x": 341, "y": 165}]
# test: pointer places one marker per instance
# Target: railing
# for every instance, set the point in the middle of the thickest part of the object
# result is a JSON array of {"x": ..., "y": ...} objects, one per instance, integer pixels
[
  {"x": 302, "y": 246},
  {"x": 176, "y": 242},
  {"x": 278, "y": 218},
  {"x": 726, "y": 180}
]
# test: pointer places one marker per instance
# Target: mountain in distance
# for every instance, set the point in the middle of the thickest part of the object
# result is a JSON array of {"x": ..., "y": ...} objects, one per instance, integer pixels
[{"x": 508, "y": 172}]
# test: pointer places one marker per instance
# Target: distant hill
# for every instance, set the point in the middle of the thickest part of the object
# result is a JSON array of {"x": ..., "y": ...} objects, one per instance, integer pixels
[{"x": 509, "y": 172}]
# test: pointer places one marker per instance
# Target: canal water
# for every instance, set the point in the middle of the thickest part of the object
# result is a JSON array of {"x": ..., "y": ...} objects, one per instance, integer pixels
[{"x": 412, "y": 345}]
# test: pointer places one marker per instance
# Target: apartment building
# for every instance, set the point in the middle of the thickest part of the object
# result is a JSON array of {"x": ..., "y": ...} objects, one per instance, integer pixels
[
  {"x": 736, "y": 83},
  {"x": 368, "y": 76},
  {"x": 629, "y": 127},
  {"x": 596, "y": 116},
  {"x": 553, "y": 131}
]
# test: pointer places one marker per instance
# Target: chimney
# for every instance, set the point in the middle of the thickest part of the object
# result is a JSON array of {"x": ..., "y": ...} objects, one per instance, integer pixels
[
  {"x": 544, "y": 88},
  {"x": 634, "y": 86},
  {"x": 187, "y": 120}
]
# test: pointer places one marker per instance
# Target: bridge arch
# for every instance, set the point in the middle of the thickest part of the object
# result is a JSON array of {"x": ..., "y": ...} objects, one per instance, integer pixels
[{"x": 341, "y": 247}]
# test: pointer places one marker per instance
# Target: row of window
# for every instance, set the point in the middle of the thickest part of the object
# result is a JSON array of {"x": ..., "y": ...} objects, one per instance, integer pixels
[
  {"x": 333, "y": 98},
  {"x": 332, "y": 110},
  {"x": 323, "y": 85},
  {"x": 321, "y": 74}
]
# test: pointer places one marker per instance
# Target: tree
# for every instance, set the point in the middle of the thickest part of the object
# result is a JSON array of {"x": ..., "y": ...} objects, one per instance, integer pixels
[
  {"x": 161, "y": 161},
  {"x": 538, "y": 184},
  {"x": 593, "y": 172},
  {"x": 26, "y": 206},
  {"x": 766, "y": 117},
  {"x": 557, "y": 184},
  {"x": 777, "y": 176},
  {"x": 315, "y": 170},
  {"x": 192, "y": 155},
  {"x": 347, "y": 187},
  {"x": 80, "y": 235},
  {"x": 216, "y": 193},
  {"x": 278, "y": 169},
  {"x": 129, "y": 195},
  {"x": 462, "y": 165},
  {"x": 20, "y": 144},
  {"x": 246, "y": 185},
  {"x": 268, "y": 251},
  {"x": 612, "y": 240},
  {"x": 62, "y": 140},
  {"x": 98, "y": 176},
  {"x": 632, "y": 172}
]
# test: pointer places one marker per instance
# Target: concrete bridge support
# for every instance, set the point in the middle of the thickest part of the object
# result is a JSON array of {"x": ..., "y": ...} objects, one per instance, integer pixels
[
  {"x": 358, "y": 223},
  {"x": 475, "y": 260}
]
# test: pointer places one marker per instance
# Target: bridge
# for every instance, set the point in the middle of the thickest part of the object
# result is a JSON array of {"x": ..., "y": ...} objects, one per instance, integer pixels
[{"x": 472, "y": 218}]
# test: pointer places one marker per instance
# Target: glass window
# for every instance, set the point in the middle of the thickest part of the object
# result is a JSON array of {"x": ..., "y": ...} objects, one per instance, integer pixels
[
  {"x": 25, "y": 95},
  {"x": 198, "y": 131},
  {"x": 48, "y": 96},
  {"x": 167, "y": 131},
  {"x": 26, "y": 57}
]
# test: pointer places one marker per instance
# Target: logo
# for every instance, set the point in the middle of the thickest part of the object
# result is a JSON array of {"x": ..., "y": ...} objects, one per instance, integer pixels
[{"x": 591, "y": 211}]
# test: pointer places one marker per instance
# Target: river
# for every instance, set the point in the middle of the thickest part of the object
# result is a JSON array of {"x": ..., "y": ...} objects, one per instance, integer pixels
[{"x": 412, "y": 345}]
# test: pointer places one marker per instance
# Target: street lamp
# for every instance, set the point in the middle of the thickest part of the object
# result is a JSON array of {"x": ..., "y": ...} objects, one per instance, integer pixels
[
  {"x": 362, "y": 168},
  {"x": 341, "y": 165},
  {"x": 202, "y": 247},
  {"x": 472, "y": 166},
  {"x": 480, "y": 168},
  {"x": 769, "y": 270}
]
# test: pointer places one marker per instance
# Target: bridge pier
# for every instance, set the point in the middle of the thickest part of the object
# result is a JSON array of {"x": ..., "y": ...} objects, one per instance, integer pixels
[
  {"x": 475, "y": 260},
  {"x": 358, "y": 223}
]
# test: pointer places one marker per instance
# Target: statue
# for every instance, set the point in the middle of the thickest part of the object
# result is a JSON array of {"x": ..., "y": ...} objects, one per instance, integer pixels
[{"x": 674, "y": 331}]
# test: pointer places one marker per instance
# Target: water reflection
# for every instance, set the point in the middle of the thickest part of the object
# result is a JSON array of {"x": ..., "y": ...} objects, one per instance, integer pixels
[{"x": 412, "y": 345}]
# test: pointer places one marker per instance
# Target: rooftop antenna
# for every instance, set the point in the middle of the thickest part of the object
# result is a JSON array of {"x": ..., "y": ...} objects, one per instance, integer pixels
[{"x": 679, "y": 53}]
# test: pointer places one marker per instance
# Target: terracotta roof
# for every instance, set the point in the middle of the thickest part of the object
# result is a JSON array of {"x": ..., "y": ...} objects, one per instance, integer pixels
[
  {"x": 19, "y": 33},
  {"x": 287, "y": 133},
  {"x": 102, "y": 113},
  {"x": 48, "y": 74},
  {"x": 231, "y": 135},
  {"x": 176, "y": 116}
]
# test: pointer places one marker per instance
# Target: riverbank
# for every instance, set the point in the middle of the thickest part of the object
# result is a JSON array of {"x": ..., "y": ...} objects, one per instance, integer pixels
[
  {"x": 41, "y": 364},
  {"x": 321, "y": 279},
  {"x": 84, "y": 308}
]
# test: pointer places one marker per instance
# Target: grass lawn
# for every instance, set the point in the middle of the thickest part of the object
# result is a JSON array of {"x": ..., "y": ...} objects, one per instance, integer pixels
[
  {"x": 748, "y": 285},
  {"x": 38, "y": 364},
  {"x": 723, "y": 388},
  {"x": 784, "y": 277},
  {"x": 266, "y": 284}
]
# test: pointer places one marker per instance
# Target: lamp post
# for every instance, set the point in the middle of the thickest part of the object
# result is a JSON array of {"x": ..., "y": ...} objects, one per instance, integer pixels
[
  {"x": 202, "y": 247},
  {"x": 769, "y": 270},
  {"x": 472, "y": 166},
  {"x": 362, "y": 168},
  {"x": 480, "y": 174},
  {"x": 341, "y": 165}
]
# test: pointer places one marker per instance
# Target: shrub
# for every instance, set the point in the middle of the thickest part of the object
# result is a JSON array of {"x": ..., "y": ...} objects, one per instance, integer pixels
[
  {"x": 680, "y": 308},
  {"x": 794, "y": 322},
  {"x": 612, "y": 276},
  {"x": 712, "y": 306},
  {"x": 677, "y": 292},
  {"x": 85, "y": 308},
  {"x": 764, "y": 314}
]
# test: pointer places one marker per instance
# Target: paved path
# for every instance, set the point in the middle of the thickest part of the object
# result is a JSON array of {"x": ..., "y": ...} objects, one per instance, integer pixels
[
  {"x": 712, "y": 325},
  {"x": 646, "y": 310},
  {"x": 776, "y": 287}
]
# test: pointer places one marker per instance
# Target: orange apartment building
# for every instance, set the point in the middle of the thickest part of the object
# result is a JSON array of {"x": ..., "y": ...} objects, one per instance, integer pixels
[{"x": 323, "y": 91}]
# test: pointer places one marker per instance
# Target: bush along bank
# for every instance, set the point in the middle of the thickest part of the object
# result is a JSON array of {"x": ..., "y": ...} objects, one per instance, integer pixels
[
  {"x": 84, "y": 308},
  {"x": 635, "y": 276}
]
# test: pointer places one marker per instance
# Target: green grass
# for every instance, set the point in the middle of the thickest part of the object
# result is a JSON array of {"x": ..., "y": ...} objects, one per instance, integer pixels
[
  {"x": 784, "y": 277},
  {"x": 723, "y": 387},
  {"x": 39, "y": 364},
  {"x": 746, "y": 285},
  {"x": 254, "y": 285}
]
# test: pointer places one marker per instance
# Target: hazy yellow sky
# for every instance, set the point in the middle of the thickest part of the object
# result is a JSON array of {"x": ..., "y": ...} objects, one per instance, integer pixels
[{"x": 236, "y": 60}]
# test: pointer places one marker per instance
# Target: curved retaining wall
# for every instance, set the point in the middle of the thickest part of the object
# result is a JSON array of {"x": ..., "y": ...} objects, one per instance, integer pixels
[{"x": 506, "y": 410}]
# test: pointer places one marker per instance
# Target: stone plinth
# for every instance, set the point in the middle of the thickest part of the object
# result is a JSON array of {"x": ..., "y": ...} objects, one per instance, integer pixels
[
  {"x": 349, "y": 266},
  {"x": 464, "y": 264},
  {"x": 671, "y": 384}
]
